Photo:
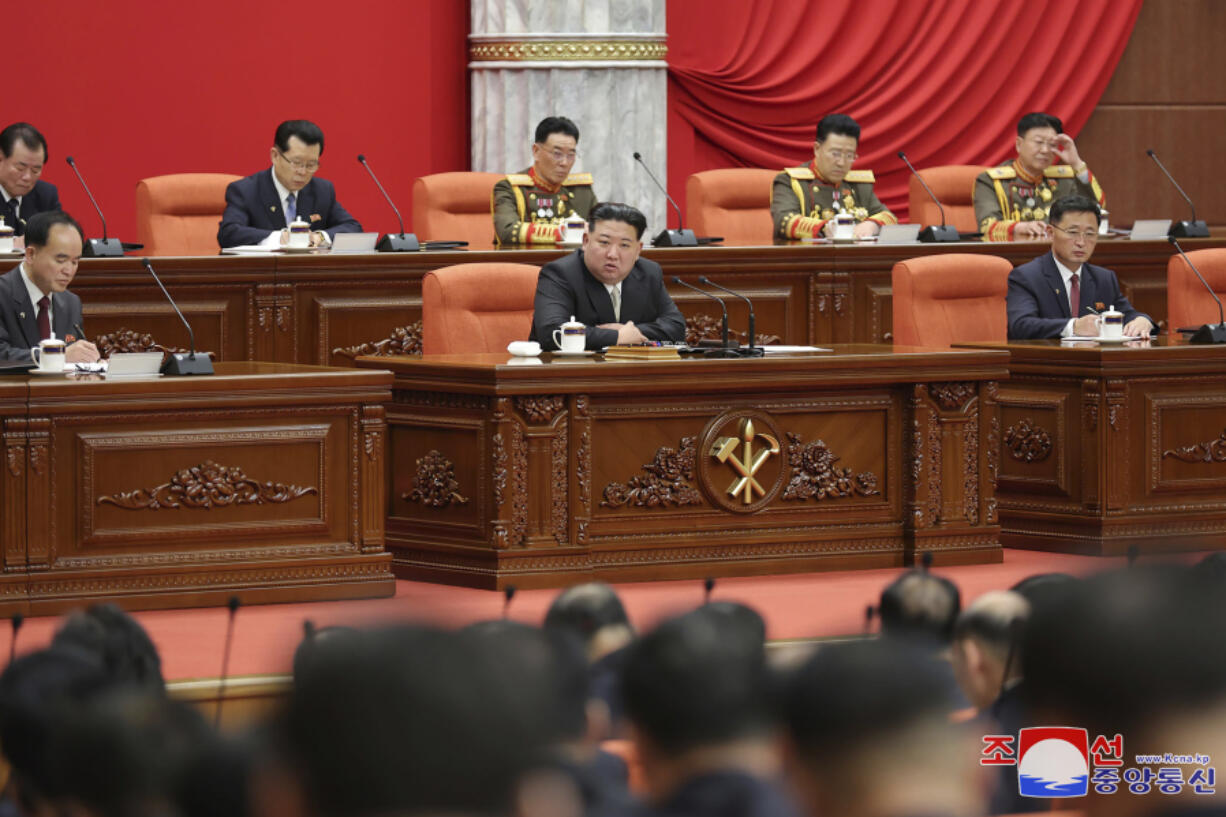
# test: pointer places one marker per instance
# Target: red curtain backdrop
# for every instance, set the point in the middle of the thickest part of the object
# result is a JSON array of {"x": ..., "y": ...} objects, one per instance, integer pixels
[
  {"x": 943, "y": 80},
  {"x": 136, "y": 88}
]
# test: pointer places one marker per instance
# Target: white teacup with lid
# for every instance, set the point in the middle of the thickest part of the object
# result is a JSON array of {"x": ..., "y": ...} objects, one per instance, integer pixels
[
  {"x": 299, "y": 233},
  {"x": 574, "y": 229},
  {"x": 1111, "y": 323},
  {"x": 571, "y": 337},
  {"x": 6, "y": 236},
  {"x": 844, "y": 226},
  {"x": 49, "y": 354}
]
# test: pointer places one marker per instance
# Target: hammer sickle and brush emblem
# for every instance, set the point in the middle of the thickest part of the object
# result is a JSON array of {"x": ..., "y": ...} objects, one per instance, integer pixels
[{"x": 724, "y": 449}]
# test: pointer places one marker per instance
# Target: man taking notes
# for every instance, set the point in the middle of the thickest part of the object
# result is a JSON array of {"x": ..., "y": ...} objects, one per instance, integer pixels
[
  {"x": 606, "y": 286},
  {"x": 34, "y": 297},
  {"x": 1011, "y": 201},
  {"x": 531, "y": 207},
  {"x": 23, "y": 154},
  {"x": 805, "y": 200},
  {"x": 260, "y": 208},
  {"x": 1053, "y": 295}
]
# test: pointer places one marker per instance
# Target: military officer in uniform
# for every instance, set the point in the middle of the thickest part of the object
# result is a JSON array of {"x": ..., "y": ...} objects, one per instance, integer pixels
[
  {"x": 805, "y": 200},
  {"x": 1012, "y": 200},
  {"x": 531, "y": 207}
]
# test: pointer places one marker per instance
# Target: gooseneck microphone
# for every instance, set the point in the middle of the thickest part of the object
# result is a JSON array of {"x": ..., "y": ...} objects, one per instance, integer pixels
[
  {"x": 726, "y": 348},
  {"x": 233, "y": 604},
  {"x": 404, "y": 242},
  {"x": 179, "y": 363},
  {"x": 97, "y": 247},
  {"x": 931, "y": 233},
  {"x": 1182, "y": 229},
  {"x": 679, "y": 237},
  {"x": 746, "y": 351},
  {"x": 1208, "y": 333}
]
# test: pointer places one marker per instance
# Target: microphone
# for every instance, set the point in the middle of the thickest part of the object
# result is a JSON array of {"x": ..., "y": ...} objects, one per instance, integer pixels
[
  {"x": 1182, "y": 229},
  {"x": 97, "y": 247},
  {"x": 405, "y": 242},
  {"x": 726, "y": 348},
  {"x": 708, "y": 587},
  {"x": 17, "y": 620},
  {"x": 679, "y": 237},
  {"x": 225, "y": 661},
  {"x": 1208, "y": 333},
  {"x": 931, "y": 233},
  {"x": 508, "y": 594},
  {"x": 179, "y": 363},
  {"x": 869, "y": 612},
  {"x": 745, "y": 351}
]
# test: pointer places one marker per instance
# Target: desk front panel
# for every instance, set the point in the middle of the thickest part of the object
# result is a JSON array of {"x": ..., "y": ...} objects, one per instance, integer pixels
[{"x": 547, "y": 475}]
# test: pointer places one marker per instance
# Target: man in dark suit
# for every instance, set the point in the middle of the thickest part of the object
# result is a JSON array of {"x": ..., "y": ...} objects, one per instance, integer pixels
[
  {"x": 1043, "y": 292},
  {"x": 34, "y": 298},
  {"x": 23, "y": 154},
  {"x": 260, "y": 208},
  {"x": 606, "y": 286}
]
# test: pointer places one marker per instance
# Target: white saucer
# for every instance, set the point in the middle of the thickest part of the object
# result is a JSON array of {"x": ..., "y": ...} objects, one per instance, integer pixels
[
  {"x": 570, "y": 245},
  {"x": 582, "y": 353},
  {"x": 300, "y": 249},
  {"x": 47, "y": 374},
  {"x": 1076, "y": 338}
]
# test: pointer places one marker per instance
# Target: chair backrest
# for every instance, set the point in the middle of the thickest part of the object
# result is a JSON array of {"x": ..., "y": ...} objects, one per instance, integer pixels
[
  {"x": 733, "y": 202},
  {"x": 940, "y": 300},
  {"x": 1188, "y": 304},
  {"x": 179, "y": 214},
  {"x": 954, "y": 186},
  {"x": 455, "y": 207},
  {"x": 474, "y": 308}
]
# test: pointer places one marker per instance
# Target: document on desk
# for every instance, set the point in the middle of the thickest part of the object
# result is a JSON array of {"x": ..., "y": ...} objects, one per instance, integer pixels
[{"x": 791, "y": 350}]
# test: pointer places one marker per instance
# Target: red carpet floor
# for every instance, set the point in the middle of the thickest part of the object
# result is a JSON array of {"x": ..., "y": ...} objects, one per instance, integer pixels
[{"x": 803, "y": 606}]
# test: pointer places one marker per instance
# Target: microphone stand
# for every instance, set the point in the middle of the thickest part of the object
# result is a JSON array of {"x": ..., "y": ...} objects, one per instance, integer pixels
[
  {"x": 728, "y": 348},
  {"x": 932, "y": 234},
  {"x": 745, "y": 351},
  {"x": 679, "y": 237}
]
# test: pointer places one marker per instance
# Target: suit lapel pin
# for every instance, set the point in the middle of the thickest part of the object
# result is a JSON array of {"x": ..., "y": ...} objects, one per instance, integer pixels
[
  {"x": 23, "y": 316},
  {"x": 272, "y": 209}
]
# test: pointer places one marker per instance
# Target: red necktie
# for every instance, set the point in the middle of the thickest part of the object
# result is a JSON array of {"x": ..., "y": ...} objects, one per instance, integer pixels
[
  {"x": 1074, "y": 296},
  {"x": 44, "y": 317}
]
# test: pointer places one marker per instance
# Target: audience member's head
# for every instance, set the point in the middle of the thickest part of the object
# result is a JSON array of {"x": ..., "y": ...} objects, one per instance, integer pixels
[
  {"x": 920, "y": 606},
  {"x": 1043, "y": 588},
  {"x": 986, "y": 650},
  {"x": 697, "y": 687},
  {"x": 870, "y": 734},
  {"x": 124, "y": 648},
  {"x": 739, "y": 617},
  {"x": 313, "y": 640},
  {"x": 593, "y": 613},
  {"x": 408, "y": 721}
]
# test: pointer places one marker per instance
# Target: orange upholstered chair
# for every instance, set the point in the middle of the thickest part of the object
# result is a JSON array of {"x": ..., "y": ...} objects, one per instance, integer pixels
[
  {"x": 940, "y": 300},
  {"x": 734, "y": 202},
  {"x": 954, "y": 185},
  {"x": 179, "y": 214},
  {"x": 473, "y": 308},
  {"x": 455, "y": 207},
  {"x": 1188, "y": 305}
]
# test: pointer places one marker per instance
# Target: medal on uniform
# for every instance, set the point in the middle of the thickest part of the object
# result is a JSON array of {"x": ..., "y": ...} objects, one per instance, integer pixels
[
  {"x": 1040, "y": 214},
  {"x": 860, "y": 213},
  {"x": 1027, "y": 215},
  {"x": 827, "y": 214},
  {"x": 1045, "y": 193},
  {"x": 1030, "y": 202}
]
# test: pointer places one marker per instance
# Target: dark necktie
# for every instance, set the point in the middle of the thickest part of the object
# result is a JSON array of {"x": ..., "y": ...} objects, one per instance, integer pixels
[
  {"x": 1074, "y": 296},
  {"x": 291, "y": 207},
  {"x": 13, "y": 218},
  {"x": 44, "y": 317}
]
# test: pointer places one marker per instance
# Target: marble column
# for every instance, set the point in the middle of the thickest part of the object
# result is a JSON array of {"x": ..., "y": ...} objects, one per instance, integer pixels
[{"x": 598, "y": 62}]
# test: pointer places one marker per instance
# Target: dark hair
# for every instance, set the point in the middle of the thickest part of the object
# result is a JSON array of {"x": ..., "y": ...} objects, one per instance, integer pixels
[
  {"x": 1043, "y": 588},
  {"x": 27, "y": 133},
  {"x": 556, "y": 124},
  {"x": 614, "y": 211},
  {"x": 996, "y": 625},
  {"x": 586, "y": 609},
  {"x": 38, "y": 228},
  {"x": 920, "y": 605},
  {"x": 1038, "y": 120},
  {"x": 860, "y": 694},
  {"x": 120, "y": 642},
  {"x": 307, "y": 131},
  {"x": 1073, "y": 204},
  {"x": 697, "y": 680},
  {"x": 409, "y": 720},
  {"x": 838, "y": 123},
  {"x": 1145, "y": 634}
]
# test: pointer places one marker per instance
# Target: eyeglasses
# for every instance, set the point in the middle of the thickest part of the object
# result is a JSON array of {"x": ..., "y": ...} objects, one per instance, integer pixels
[
  {"x": 309, "y": 167},
  {"x": 843, "y": 155},
  {"x": 560, "y": 157},
  {"x": 1039, "y": 144},
  {"x": 1078, "y": 235}
]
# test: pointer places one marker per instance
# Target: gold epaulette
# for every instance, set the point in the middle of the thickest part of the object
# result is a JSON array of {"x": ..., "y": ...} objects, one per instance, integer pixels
[
  {"x": 1059, "y": 172},
  {"x": 799, "y": 172},
  {"x": 860, "y": 177},
  {"x": 1003, "y": 172},
  {"x": 578, "y": 178},
  {"x": 520, "y": 180}
]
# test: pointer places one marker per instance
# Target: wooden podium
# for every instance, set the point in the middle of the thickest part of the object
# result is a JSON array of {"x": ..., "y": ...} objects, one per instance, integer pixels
[
  {"x": 264, "y": 481},
  {"x": 1106, "y": 447},
  {"x": 544, "y": 473}
]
